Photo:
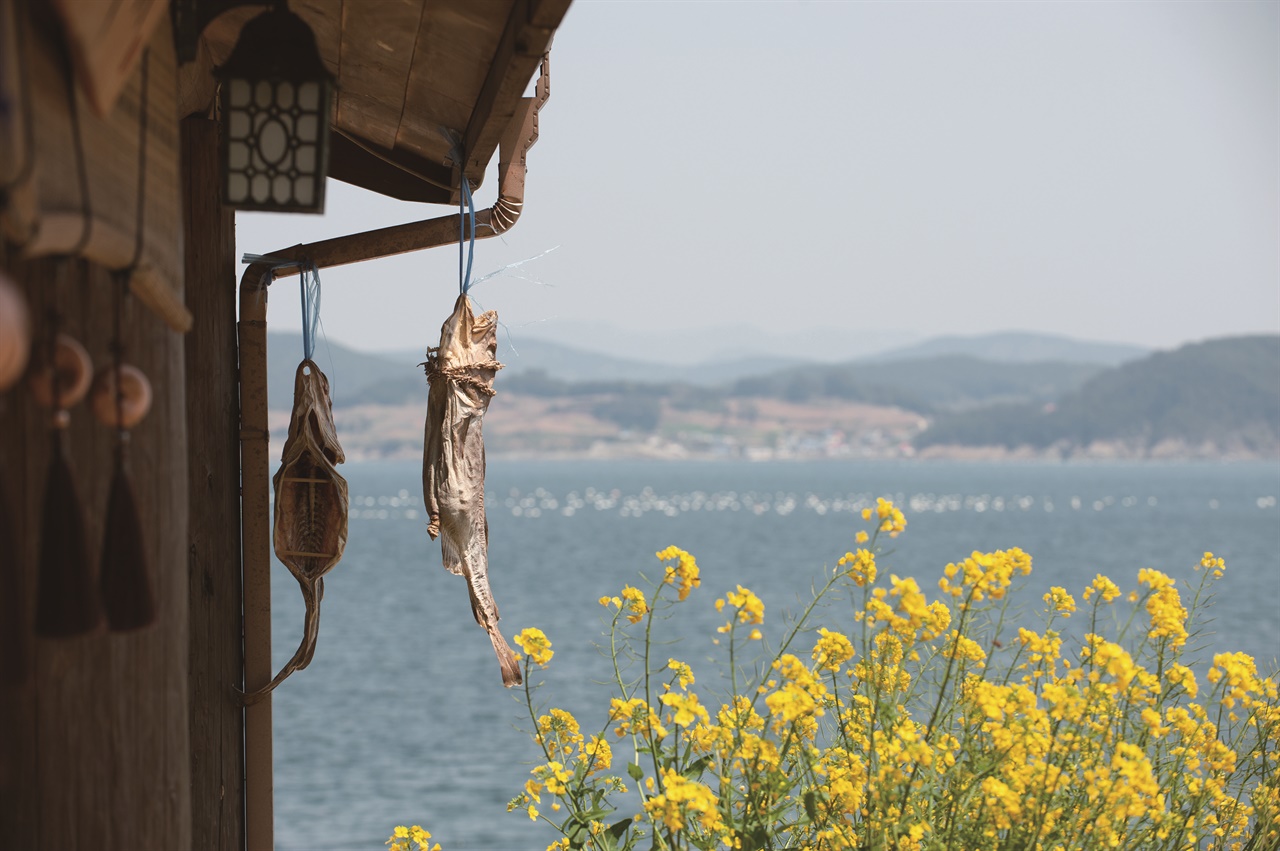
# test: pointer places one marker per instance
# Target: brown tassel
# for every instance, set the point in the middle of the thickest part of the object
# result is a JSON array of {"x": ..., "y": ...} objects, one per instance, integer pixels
[
  {"x": 13, "y": 627},
  {"x": 66, "y": 593},
  {"x": 126, "y": 579}
]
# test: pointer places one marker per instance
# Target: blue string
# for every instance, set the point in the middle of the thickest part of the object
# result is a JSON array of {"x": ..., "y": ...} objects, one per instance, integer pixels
[
  {"x": 309, "y": 274},
  {"x": 466, "y": 212},
  {"x": 310, "y": 309},
  {"x": 471, "y": 250}
]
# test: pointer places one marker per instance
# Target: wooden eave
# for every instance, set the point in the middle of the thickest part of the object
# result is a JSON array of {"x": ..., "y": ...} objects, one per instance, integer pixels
[{"x": 409, "y": 74}]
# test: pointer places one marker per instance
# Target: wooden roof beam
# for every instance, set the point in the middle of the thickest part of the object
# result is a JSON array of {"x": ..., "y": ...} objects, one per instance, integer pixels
[{"x": 526, "y": 38}]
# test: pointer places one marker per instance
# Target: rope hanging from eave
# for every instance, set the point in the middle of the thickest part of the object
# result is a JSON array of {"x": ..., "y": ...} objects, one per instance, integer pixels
[
  {"x": 466, "y": 215},
  {"x": 310, "y": 309}
]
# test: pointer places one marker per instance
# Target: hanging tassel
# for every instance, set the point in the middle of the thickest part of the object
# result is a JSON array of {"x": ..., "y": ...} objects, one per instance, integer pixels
[
  {"x": 126, "y": 578},
  {"x": 66, "y": 593},
  {"x": 120, "y": 398},
  {"x": 13, "y": 629}
]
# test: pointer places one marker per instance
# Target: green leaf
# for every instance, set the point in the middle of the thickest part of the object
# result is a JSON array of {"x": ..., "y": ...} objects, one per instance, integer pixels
[
  {"x": 694, "y": 770},
  {"x": 635, "y": 771},
  {"x": 577, "y": 833},
  {"x": 811, "y": 805},
  {"x": 617, "y": 829}
]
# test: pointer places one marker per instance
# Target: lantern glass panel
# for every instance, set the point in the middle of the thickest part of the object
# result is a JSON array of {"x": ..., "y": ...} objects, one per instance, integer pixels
[
  {"x": 237, "y": 188},
  {"x": 239, "y": 93},
  {"x": 275, "y": 105},
  {"x": 304, "y": 189},
  {"x": 274, "y": 146},
  {"x": 273, "y": 143},
  {"x": 309, "y": 96}
]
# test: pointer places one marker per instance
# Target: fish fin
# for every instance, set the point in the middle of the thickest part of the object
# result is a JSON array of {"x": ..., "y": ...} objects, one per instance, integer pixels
[{"x": 450, "y": 555}]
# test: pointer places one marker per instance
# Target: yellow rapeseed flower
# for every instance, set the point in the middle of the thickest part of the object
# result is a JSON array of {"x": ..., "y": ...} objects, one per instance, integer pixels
[
  {"x": 402, "y": 836},
  {"x": 1058, "y": 600},
  {"x": 535, "y": 643},
  {"x": 636, "y": 607},
  {"x": 684, "y": 800},
  {"x": 684, "y": 574},
  {"x": 1212, "y": 563},
  {"x": 832, "y": 650},
  {"x": 1102, "y": 586},
  {"x": 862, "y": 567}
]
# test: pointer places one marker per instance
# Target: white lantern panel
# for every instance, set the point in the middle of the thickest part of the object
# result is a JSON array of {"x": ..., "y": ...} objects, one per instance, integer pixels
[
  {"x": 238, "y": 125},
  {"x": 304, "y": 158},
  {"x": 281, "y": 189},
  {"x": 304, "y": 190},
  {"x": 307, "y": 128},
  {"x": 284, "y": 95},
  {"x": 309, "y": 96},
  {"x": 273, "y": 142},
  {"x": 262, "y": 94},
  {"x": 238, "y": 90},
  {"x": 237, "y": 155},
  {"x": 261, "y": 188},
  {"x": 237, "y": 188}
]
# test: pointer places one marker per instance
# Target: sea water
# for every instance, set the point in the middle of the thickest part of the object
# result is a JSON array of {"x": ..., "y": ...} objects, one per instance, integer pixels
[{"x": 402, "y": 719}]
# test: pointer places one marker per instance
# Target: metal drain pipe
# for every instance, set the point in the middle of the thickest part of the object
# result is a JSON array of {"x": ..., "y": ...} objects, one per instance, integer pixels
[{"x": 255, "y": 462}]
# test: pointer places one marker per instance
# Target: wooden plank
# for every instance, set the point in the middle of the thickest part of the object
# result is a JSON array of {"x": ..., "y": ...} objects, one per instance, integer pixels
[
  {"x": 100, "y": 733},
  {"x": 255, "y": 526},
  {"x": 213, "y": 452},
  {"x": 378, "y": 43},
  {"x": 524, "y": 43},
  {"x": 456, "y": 45}
]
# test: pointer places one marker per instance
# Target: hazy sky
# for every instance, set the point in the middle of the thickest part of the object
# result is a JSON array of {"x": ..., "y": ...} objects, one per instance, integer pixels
[{"x": 1104, "y": 170}]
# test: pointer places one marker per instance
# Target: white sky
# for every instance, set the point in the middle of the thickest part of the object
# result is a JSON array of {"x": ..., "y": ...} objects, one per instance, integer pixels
[{"x": 1104, "y": 170}]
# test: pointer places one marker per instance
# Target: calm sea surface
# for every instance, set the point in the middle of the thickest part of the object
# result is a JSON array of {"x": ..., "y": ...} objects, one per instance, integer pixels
[{"x": 402, "y": 718}]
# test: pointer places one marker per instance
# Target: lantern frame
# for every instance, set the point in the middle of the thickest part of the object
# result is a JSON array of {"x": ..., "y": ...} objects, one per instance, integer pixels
[{"x": 275, "y": 101}]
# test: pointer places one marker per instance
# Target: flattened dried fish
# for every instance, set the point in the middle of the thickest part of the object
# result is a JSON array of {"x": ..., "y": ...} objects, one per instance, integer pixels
[
  {"x": 311, "y": 506},
  {"x": 461, "y": 374}
]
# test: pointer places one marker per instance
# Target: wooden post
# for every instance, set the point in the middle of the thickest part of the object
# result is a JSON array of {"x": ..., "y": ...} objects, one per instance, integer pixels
[
  {"x": 94, "y": 746},
  {"x": 213, "y": 451},
  {"x": 255, "y": 524}
]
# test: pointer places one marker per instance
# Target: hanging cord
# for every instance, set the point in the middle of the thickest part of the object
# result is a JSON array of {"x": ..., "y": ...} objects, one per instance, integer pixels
[
  {"x": 121, "y": 280},
  {"x": 466, "y": 215},
  {"x": 28, "y": 116},
  {"x": 140, "y": 233},
  {"x": 82, "y": 168},
  {"x": 272, "y": 263},
  {"x": 310, "y": 279}
]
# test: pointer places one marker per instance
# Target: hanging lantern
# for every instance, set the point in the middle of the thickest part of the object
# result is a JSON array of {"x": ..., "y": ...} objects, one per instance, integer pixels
[{"x": 275, "y": 101}]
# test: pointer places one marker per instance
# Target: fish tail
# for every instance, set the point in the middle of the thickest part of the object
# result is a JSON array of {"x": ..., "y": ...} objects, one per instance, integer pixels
[{"x": 506, "y": 659}]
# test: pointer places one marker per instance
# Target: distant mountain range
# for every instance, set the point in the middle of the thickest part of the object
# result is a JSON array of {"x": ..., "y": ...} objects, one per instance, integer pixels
[
  {"x": 1219, "y": 397},
  {"x": 1017, "y": 347},
  {"x": 949, "y": 396},
  {"x": 947, "y": 372}
]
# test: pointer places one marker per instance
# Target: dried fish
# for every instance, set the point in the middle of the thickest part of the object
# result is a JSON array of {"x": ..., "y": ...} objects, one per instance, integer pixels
[
  {"x": 461, "y": 375},
  {"x": 311, "y": 506}
]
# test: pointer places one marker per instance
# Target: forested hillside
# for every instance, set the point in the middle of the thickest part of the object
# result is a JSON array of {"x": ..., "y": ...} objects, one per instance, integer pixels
[{"x": 1222, "y": 392}]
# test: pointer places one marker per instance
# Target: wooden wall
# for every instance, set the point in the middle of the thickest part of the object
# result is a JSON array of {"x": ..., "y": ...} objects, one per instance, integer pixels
[
  {"x": 94, "y": 748},
  {"x": 213, "y": 422}
]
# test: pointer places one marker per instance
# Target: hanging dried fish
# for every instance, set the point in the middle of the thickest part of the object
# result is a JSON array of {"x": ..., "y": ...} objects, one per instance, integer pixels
[
  {"x": 311, "y": 506},
  {"x": 461, "y": 374}
]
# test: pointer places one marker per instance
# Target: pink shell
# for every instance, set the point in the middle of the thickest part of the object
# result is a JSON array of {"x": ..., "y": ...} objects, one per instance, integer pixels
[
  {"x": 15, "y": 333},
  {"x": 133, "y": 407},
  {"x": 75, "y": 371}
]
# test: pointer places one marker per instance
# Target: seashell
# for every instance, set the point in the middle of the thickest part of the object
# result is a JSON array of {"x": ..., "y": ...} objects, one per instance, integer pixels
[
  {"x": 15, "y": 333},
  {"x": 134, "y": 405},
  {"x": 75, "y": 372}
]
